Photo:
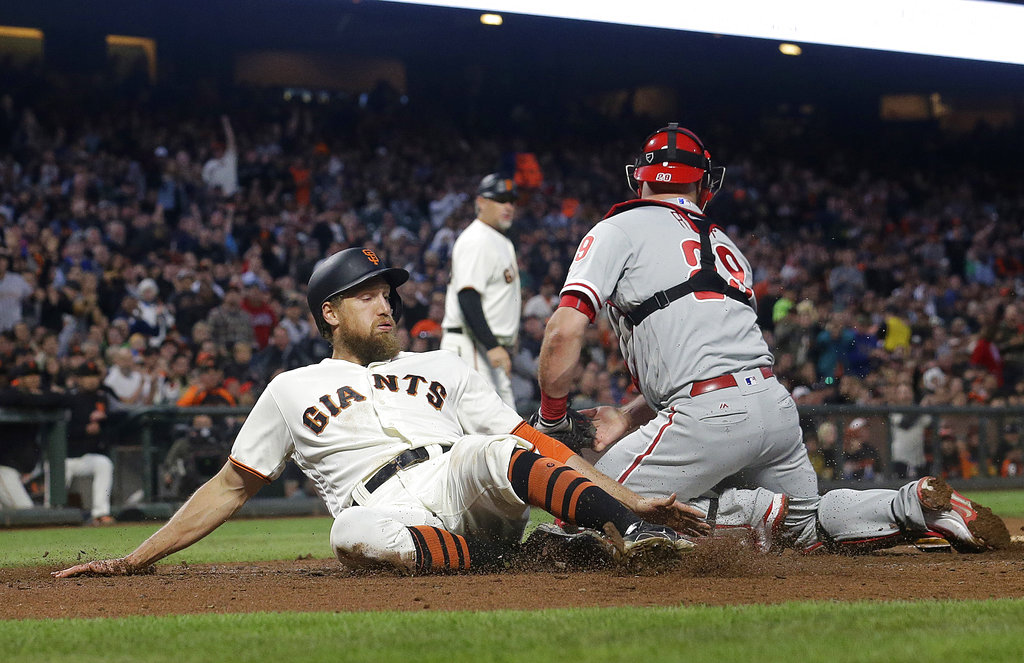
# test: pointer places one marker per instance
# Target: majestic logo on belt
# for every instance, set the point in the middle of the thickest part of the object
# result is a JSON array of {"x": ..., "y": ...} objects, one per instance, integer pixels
[{"x": 371, "y": 256}]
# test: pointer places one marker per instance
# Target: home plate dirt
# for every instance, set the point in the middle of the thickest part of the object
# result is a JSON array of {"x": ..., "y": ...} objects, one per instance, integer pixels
[{"x": 713, "y": 575}]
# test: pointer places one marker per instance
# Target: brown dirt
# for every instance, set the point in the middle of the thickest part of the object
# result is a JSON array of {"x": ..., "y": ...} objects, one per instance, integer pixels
[{"x": 714, "y": 575}]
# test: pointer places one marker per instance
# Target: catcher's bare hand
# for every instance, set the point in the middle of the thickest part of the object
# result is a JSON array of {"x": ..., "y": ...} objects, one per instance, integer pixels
[
  {"x": 103, "y": 567},
  {"x": 668, "y": 511},
  {"x": 610, "y": 425}
]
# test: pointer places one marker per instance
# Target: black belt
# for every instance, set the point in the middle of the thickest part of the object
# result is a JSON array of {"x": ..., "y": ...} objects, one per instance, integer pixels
[
  {"x": 401, "y": 461},
  {"x": 453, "y": 330}
]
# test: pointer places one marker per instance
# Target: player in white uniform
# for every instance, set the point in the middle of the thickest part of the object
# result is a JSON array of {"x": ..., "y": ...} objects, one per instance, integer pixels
[
  {"x": 484, "y": 299},
  {"x": 420, "y": 463},
  {"x": 712, "y": 416}
]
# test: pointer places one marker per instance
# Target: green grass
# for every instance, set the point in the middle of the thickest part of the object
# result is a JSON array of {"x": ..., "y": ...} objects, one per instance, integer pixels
[
  {"x": 236, "y": 540},
  {"x": 250, "y": 540},
  {"x": 836, "y": 632}
]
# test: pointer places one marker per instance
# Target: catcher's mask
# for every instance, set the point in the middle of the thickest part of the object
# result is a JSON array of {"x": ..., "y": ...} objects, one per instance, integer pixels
[
  {"x": 676, "y": 155},
  {"x": 345, "y": 270}
]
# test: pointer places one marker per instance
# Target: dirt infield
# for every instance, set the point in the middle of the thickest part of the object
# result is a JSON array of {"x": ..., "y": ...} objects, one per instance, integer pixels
[{"x": 711, "y": 576}]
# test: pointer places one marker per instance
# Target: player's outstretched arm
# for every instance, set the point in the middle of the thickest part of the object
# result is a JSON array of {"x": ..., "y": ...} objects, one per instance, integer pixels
[
  {"x": 663, "y": 510},
  {"x": 205, "y": 511}
]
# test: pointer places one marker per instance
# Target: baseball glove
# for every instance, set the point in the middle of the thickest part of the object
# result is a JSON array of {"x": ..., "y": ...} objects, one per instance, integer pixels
[{"x": 574, "y": 430}]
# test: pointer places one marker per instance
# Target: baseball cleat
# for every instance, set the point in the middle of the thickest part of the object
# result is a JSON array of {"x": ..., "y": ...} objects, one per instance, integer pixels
[
  {"x": 768, "y": 532},
  {"x": 648, "y": 547},
  {"x": 551, "y": 546},
  {"x": 965, "y": 524}
]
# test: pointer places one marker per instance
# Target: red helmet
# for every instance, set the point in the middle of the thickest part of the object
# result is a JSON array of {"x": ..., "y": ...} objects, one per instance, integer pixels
[{"x": 676, "y": 155}]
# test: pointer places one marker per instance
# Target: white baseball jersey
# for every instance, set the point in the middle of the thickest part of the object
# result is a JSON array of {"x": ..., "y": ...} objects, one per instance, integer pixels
[
  {"x": 485, "y": 260},
  {"x": 627, "y": 258},
  {"x": 340, "y": 422}
]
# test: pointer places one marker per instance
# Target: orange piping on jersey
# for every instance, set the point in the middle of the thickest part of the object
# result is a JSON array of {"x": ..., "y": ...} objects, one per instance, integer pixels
[
  {"x": 647, "y": 452},
  {"x": 243, "y": 466},
  {"x": 544, "y": 444}
]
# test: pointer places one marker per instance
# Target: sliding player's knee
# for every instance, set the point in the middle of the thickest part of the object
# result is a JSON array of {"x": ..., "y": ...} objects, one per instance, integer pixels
[{"x": 362, "y": 537}]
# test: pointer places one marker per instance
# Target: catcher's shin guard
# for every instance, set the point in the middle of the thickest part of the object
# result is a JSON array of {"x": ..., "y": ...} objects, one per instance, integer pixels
[{"x": 565, "y": 493}]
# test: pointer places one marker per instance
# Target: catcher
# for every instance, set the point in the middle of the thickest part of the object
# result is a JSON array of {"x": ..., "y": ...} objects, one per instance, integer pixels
[
  {"x": 422, "y": 465},
  {"x": 712, "y": 417}
]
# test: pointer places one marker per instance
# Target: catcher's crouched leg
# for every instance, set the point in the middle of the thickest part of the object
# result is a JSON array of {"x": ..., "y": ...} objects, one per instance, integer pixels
[
  {"x": 364, "y": 538},
  {"x": 861, "y": 521}
]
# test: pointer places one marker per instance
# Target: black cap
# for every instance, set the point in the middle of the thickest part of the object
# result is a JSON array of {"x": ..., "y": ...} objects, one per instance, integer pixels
[{"x": 497, "y": 188}]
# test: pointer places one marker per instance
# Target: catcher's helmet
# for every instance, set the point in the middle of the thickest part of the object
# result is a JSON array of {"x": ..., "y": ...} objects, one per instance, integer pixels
[
  {"x": 345, "y": 270},
  {"x": 497, "y": 188},
  {"x": 676, "y": 155}
]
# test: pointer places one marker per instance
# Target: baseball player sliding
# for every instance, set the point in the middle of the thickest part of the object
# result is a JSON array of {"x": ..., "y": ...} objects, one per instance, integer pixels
[
  {"x": 484, "y": 298},
  {"x": 419, "y": 461},
  {"x": 712, "y": 416}
]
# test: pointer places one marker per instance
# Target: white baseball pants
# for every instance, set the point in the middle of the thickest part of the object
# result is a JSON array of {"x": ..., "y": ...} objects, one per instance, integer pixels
[
  {"x": 96, "y": 471},
  {"x": 465, "y": 491},
  {"x": 12, "y": 493}
]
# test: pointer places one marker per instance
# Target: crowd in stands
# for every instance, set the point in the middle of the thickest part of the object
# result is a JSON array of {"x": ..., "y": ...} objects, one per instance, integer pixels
[{"x": 171, "y": 247}]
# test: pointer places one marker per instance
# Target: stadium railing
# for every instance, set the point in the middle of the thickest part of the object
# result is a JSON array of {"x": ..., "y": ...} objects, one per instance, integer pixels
[{"x": 978, "y": 434}]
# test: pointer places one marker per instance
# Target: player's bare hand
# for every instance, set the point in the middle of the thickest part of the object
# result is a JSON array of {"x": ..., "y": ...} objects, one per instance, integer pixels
[
  {"x": 610, "y": 424},
  {"x": 681, "y": 517},
  {"x": 103, "y": 567},
  {"x": 498, "y": 358}
]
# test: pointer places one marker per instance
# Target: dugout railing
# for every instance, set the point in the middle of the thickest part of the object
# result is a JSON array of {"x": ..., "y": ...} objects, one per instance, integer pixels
[{"x": 981, "y": 437}]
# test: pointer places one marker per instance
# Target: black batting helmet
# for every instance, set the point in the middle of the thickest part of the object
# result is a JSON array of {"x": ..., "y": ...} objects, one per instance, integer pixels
[
  {"x": 345, "y": 270},
  {"x": 497, "y": 188}
]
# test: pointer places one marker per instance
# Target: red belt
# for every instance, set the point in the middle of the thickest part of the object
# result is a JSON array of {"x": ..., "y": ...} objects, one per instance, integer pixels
[{"x": 721, "y": 382}]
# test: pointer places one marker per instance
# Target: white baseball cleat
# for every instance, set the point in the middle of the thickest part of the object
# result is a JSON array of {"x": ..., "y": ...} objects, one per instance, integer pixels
[{"x": 967, "y": 525}]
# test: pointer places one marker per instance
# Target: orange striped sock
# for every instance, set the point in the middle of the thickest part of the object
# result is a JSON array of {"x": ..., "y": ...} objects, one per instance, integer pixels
[
  {"x": 438, "y": 550},
  {"x": 565, "y": 493}
]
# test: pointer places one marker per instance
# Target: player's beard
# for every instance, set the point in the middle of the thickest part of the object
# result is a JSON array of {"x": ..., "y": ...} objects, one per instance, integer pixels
[{"x": 368, "y": 348}]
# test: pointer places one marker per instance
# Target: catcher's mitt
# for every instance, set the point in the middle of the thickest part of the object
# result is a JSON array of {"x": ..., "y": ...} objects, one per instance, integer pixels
[{"x": 574, "y": 430}]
